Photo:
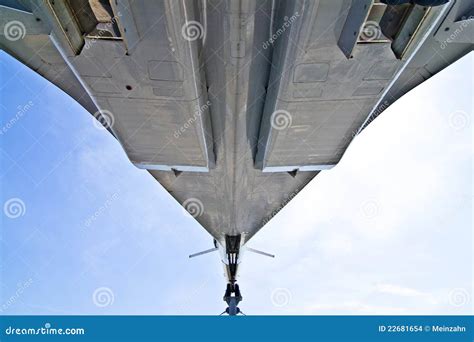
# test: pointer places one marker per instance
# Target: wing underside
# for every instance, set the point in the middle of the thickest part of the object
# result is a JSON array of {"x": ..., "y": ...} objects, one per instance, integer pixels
[{"x": 234, "y": 106}]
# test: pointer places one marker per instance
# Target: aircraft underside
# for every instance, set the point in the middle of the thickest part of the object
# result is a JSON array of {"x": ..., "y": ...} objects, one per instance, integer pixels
[{"x": 234, "y": 106}]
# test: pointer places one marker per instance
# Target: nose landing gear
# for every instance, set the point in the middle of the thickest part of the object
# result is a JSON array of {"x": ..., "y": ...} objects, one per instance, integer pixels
[{"x": 232, "y": 297}]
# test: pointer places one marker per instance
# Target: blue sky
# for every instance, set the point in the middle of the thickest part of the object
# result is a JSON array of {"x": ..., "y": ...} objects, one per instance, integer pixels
[{"x": 387, "y": 231}]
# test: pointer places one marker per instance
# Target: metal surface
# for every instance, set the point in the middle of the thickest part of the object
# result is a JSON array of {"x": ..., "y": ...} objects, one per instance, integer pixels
[
  {"x": 203, "y": 252},
  {"x": 325, "y": 95},
  {"x": 260, "y": 252},
  {"x": 357, "y": 15},
  {"x": 234, "y": 106}
]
